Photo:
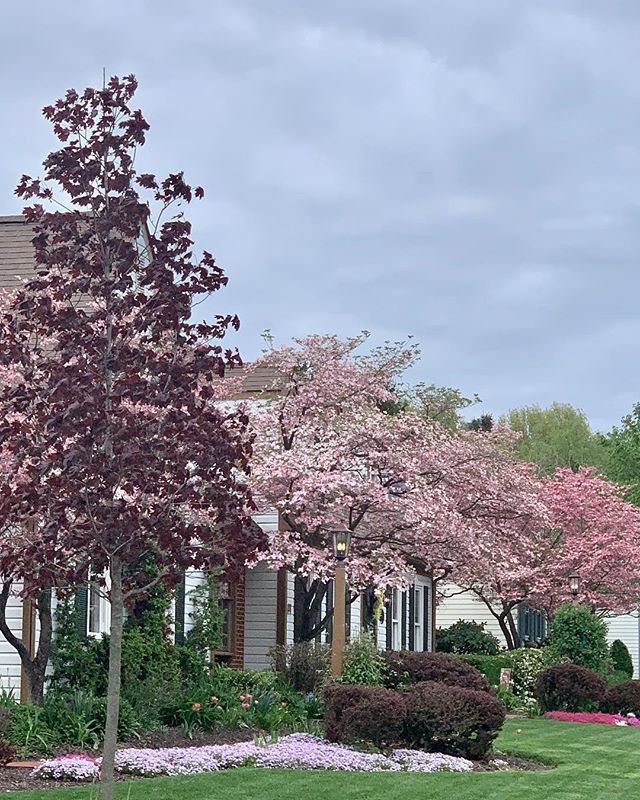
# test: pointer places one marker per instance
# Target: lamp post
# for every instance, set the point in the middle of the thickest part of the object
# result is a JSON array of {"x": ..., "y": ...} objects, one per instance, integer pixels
[
  {"x": 574, "y": 584},
  {"x": 341, "y": 542}
]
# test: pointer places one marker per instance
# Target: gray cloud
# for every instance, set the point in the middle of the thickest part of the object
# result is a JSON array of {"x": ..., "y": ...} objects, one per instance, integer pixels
[{"x": 465, "y": 172}]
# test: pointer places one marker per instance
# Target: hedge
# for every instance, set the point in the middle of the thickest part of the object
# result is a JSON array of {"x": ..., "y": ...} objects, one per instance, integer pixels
[
  {"x": 489, "y": 665},
  {"x": 569, "y": 687}
]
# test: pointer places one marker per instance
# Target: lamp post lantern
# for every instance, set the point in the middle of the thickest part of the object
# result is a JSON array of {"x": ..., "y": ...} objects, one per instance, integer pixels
[
  {"x": 574, "y": 584},
  {"x": 341, "y": 543}
]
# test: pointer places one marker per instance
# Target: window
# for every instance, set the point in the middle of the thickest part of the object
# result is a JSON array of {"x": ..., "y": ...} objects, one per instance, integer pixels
[
  {"x": 396, "y": 619},
  {"x": 532, "y": 625},
  {"x": 94, "y": 608},
  {"x": 418, "y": 617},
  {"x": 225, "y": 600}
]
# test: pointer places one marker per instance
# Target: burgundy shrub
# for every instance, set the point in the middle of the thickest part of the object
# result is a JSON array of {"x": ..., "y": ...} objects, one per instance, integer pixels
[
  {"x": 407, "y": 668},
  {"x": 623, "y": 698},
  {"x": 452, "y": 719},
  {"x": 569, "y": 687},
  {"x": 364, "y": 714}
]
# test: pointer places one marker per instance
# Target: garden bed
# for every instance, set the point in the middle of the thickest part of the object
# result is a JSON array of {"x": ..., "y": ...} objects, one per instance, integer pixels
[{"x": 296, "y": 751}]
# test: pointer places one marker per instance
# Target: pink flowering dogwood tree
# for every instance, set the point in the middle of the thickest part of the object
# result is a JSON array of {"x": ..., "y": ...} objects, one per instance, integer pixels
[
  {"x": 583, "y": 527},
  {"x": 334, "y": 450},
  {"x": 114, "y": 452}
]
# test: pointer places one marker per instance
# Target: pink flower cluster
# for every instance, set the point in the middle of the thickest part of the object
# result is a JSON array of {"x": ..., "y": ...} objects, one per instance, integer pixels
[
  {"x": 297, "y": 751},
  {"x": 595, "y": 717}
]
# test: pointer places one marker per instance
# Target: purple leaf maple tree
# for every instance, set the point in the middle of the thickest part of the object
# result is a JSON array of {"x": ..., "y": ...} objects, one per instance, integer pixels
[{"x": 113, "y": 450}]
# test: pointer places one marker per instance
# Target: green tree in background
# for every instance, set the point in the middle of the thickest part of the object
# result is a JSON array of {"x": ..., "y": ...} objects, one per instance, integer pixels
[
  {"x": 557, "y": 436},
  {"x": 623, "y": 454}
]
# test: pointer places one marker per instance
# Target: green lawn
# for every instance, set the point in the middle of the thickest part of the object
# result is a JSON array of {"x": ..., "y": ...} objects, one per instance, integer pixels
[{"x": 596, "y": 762}]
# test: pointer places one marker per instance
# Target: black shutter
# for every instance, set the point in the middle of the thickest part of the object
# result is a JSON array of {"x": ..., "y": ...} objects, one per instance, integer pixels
[
  {"x": 428, "y": 617},
  {"x": 412, "y": 617},
  {"x": 180, "y": 611},
  {"x": 81, "y": 609},
  {"x": 387, "y": 611},
  {"x": 403, "y": 620},
  {"x": 330, "y": 611},
  {"x": 347, "y": 616}
]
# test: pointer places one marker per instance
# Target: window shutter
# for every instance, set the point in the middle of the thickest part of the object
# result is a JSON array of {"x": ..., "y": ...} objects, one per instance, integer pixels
[
  {"x": 81, "y": 608},
  {"x": 387, "y": 611},
  {"x": 412, "y": 617},
  {"x": 426, "y": 627},
  {"x": 347, "y": 616},
  {"x": 403, "y": 620},
  {"x": 181, "y": 591},
  {"x": 330, "y": 612}
]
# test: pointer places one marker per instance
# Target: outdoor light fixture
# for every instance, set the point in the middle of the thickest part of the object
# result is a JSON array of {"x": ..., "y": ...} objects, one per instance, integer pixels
[
  {"x": 341, "y": 543},
  {"x": 574, "y": 584}
]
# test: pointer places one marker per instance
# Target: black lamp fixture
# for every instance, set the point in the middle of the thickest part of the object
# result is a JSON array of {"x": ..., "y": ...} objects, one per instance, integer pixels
[
  {"x": 341, "y": 543},
  {"x": 574, "y": 584}
]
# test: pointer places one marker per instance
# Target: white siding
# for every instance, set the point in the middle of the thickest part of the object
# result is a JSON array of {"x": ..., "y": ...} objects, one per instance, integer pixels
[
  {"x": 10, "y": 667},
  {"x": 354, "y": 627},
  {"x": 626, "y": 628},
  {"x": 454, "y": 605},
  {"x": 261, "y": 585},
  {"x": 291, "y": 585}
]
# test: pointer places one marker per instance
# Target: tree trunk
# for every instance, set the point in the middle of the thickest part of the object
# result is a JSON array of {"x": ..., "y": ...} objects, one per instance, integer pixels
[
  {"x": 506, "y": 631},
  {"x": 113, "y": 690},
  {"x": 515, "y": 636},
  {"x": 35, "y": 665}
]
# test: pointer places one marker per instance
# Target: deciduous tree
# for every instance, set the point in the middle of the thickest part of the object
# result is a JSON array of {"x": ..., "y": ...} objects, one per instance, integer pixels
[{"x": 109, "y": 437}]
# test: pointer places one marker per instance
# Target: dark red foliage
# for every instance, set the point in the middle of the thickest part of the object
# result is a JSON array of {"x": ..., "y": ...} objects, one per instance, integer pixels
[
  {"x": 407, "y": 667},
  {"x": 364, "y": 714},
  {"x": 623, "y": 698},
  {"x": 113, "y": 442},
  {"x": 7, "y": 753},
  {"x": 569, "y": 687},
  {"x": 451, "y": 719}
]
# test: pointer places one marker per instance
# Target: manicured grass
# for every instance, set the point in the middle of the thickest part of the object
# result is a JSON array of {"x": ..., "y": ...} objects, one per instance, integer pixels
[{"x": 593, "y": 761}]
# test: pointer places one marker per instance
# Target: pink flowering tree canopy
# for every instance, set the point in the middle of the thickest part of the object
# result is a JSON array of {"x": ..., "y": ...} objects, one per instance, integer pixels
[
  {"x": 584, "y": 527},
  {"x": 109, "y": 437},
  {"x": 334, "y": 449}
]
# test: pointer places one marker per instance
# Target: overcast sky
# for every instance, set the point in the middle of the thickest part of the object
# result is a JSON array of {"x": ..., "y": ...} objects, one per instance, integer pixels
[{"x": 465, "y": 172}]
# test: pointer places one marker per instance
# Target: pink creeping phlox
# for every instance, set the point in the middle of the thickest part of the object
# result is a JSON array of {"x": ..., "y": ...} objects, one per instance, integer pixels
[
  {"x": 297, "y": 751},
  {"x": 596, "y": 717}
]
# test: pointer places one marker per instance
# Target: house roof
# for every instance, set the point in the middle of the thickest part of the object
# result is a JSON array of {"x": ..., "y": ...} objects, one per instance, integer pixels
[
  {"x": 16, "y": 261},
  {"x": 16, "y": 251}
]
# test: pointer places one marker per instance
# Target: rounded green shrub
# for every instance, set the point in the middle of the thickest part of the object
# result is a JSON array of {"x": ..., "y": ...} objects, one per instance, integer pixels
[
  {"x": 621, "y": 658},
  {"x": 363, "y": 664},
  {"x": 467, "y": 636},
  {"x": 579, "y": 636}
]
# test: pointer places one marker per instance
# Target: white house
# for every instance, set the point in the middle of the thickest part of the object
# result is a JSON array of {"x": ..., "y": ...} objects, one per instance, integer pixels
[
  {"x": 260, "y": 606},
  {"x": 455, "y": 604}
]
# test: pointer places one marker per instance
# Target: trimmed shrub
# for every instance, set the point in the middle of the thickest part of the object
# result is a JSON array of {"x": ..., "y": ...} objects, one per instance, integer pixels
[
  {"x": 569, "y": 687},
  {"x": 621, "y": 658},
  {"x": 364, "y": 714},
  {"x": 467, "y": 636},
  {"x": 623, "y": 698},
  {"x": 579, "y": 636},
  {"x": 489, "y": 665},
  {"x": 407, "y": 667},
  {"x": 451, "y": 719},
  {"x": 7, "y": 753},
  {"x": 363, "y": 663}
]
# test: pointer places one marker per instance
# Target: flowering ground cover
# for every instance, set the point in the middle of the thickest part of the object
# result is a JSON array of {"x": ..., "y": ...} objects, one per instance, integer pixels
[
  {"x": 592, "y": 761},
  {"x": 596, "y": 717},
  {"x": 297, "y": 751}
]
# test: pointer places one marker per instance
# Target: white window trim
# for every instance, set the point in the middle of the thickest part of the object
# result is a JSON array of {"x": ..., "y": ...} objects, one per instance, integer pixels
[
  {"x": 418, "y": 616},
  {"x": 396, "y": 619},
  {"x": 104, "y": 609}
]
